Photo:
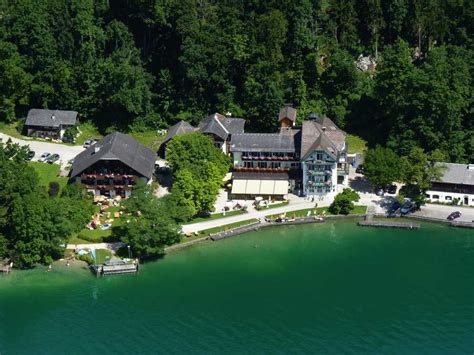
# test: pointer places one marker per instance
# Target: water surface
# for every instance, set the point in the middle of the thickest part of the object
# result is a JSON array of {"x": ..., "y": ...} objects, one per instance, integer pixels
[{"x": 326, "y": 288}]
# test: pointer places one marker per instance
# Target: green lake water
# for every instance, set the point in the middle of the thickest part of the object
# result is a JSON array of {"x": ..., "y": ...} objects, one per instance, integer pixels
[{"x": 322, "y": 288}]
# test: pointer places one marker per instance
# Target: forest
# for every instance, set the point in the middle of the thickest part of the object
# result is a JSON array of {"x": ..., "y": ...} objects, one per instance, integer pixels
[{"x": 136, "y": 65}]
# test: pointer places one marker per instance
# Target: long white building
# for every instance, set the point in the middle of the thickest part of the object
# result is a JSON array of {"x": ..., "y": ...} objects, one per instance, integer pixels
[{"x": 456, "y": 184}]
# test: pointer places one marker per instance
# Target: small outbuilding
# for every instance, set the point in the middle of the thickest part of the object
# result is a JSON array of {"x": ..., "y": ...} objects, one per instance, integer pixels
[{"x": 52, "y": 124}]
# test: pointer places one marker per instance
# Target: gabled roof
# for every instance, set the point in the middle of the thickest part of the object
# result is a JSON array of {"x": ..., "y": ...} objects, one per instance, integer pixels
[
  {"x": 287, "y": 112},
  {"x": 50, "y": 118},
  {"x": 116, "y": 146},
  {"x": 221, "y": 125},
  {"x": 263, "y": 142},
  {"x": 462, "y": 174},
  {"x": 321, "y": 134},
  {"x": 181, "y": 127},
  {"x": 213, "y": 125}
]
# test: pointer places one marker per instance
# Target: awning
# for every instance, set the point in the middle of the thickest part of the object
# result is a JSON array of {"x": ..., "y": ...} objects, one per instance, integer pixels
[{"x": 259, "y": 187}]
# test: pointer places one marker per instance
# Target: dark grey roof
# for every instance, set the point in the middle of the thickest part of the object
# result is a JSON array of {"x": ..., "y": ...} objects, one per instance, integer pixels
[
  {"x": 287, "y": 112},
  {"x": 321, "y": 134},
  {"x": 259, "y": 176},
  {"x": 213, "y": 125},
  {"x": 50, "y": 118},
  {"x": 262, "y": 142},
  {"x": 462, "y": 174},
  {"x": 181, "y": 127},
  {"x": 116, "y": 146}
]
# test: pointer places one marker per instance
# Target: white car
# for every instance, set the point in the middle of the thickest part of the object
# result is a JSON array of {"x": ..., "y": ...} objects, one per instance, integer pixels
[{"x": 44, "y": 157}]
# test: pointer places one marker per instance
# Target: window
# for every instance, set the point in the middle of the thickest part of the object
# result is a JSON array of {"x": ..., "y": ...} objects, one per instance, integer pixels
[
  {"x": 435, "y": 197},
  {"x": 428, "y": 195},
  {"x": 448, "y": 198},
  {"x": 262, "y": 164}
]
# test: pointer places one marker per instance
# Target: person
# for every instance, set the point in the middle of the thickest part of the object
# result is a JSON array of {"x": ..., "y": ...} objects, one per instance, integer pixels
[{"x": 49, "y": 267}]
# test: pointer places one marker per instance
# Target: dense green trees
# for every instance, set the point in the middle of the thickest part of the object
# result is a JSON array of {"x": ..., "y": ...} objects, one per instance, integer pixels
[
  {"x": 151, "y": 226},
  {"x": 33, "y": 223},
  {"x": 198, "y": 168},
  {"x": 146, "y": 63}
]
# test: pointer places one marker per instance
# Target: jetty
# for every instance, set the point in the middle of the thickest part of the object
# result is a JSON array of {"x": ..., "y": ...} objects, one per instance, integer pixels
[
  {"x": 115, "y": 267},
  {"x": 386, "y": 224},
  {"x": 383, "y": 223},
  {"x": 462, "y": 224}
]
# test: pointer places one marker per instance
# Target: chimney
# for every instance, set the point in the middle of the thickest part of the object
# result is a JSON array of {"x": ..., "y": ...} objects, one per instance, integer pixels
[
  {"x": 53, "y": 117},
  {"x": 324, "y": 129}
]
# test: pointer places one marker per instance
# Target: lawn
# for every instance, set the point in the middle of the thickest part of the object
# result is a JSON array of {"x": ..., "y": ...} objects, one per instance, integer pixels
[
  {"x": 206, "y": 232},
  {"x": 98, "y": 235},
  {"x": 11, "y": 129},
  {"x": 150, "y": 139},
  {"x": 101, "y": 255},
  {"x": 88, "y": 131},
  {"x": 316, "y": 212},
  {"x": 215, "y": 216},
  {"x": 356, "y": 144},
  {"x": 48, "y": 173},
  {"x": 273, "y": 205}
]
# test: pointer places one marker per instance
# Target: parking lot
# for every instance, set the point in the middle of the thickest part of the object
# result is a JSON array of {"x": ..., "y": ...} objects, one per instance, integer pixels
[{"x": 66, "y": 152}]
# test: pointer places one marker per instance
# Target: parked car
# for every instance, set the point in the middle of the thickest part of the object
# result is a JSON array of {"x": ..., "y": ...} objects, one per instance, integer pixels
[
  {"x": 407, "y": 207},
  {"x": 454, "y": 215},
  {"x": 105, "y": 226},
  {"x": 43, "y": 157},
  {"x": 394, "y": 208},
  {"x": 392, "y": 189},
  {"x": 360, "y": 169},
  {"x": 379, "y": 191},
  {"x": 53, "y": 158},
  {"x": 89, "y": 142},
  {"x": 31, "y": 154}
]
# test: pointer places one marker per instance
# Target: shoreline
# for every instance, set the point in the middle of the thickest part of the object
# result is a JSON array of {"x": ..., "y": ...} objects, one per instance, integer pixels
[{"x": 253, "y": 227}]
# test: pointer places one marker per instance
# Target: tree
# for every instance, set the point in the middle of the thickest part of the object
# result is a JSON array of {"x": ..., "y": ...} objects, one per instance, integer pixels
[
  {"x": 151, "y": 226},
  {"x": 190, "y": 151},
  {"x": 344, "y": 202},
  {"x": 382, "y": 166}
]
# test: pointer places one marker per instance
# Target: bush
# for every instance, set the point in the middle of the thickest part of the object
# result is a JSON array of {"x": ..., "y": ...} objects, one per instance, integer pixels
[
  {"x": 53, "y": 190},
  {"x": 343, "y": 202},
  {"x": 87, "y": 258}
]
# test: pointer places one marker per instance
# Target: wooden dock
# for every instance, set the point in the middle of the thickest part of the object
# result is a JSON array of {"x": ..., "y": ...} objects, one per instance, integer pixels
[
  {"x": 462, "y": 224},
  {"x": 387, "y": 224},
  {"x": 115, "y": 268}
]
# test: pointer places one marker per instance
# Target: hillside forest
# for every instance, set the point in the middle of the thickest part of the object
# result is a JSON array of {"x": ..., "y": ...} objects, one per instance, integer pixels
[{"x": 136, "y": 65}]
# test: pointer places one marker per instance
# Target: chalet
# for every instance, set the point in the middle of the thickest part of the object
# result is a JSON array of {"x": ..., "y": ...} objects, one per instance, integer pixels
[
  {"x": 455, "y": 186},
  {"x": 219, "y": 127},
  {"x": 49, "y": 123},
  {"x": 306, "y": 160},
  {"x": 112, "y": 166}
]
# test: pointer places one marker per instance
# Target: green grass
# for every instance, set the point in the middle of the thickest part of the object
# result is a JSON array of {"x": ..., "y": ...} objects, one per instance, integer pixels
[
  {"x": 356, "y": 144},
  {"x": 48, "y": 173},
  {"x": 274, "y": 205},
  {"x": 206, "y": 232},
  {"x": 215, "y": 216},
  {"x": 97, "y": 235},
  {"x": 101, "y": 255},
  {"x": 316, "y": 212},
  {"x": 88, "y": 131},
  {"x": 11, "y": 129},
  {"x": 150, "y": 139}
]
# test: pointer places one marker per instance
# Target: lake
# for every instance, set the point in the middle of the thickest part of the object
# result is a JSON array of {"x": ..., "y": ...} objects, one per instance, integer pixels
[{"x": 326, "y": 288}]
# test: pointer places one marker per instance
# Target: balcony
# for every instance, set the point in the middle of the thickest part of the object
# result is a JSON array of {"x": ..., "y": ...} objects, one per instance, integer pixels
[
  {"x": 342, "y": 171},
  {"x": 261, "y": 170},
  {"x": 268, "y": 158}
]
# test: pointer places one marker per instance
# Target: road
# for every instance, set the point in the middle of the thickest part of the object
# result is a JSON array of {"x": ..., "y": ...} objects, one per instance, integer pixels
[
  {"x": 443, "y": 211},
  {"x": 66, "y": 152}
]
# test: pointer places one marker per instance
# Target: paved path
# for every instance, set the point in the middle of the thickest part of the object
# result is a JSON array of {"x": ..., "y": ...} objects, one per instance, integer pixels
[
  {"x": 443, "y": 211},
  {"x": 66, "y": 152},
  {"x": 196, "y": 227}
]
